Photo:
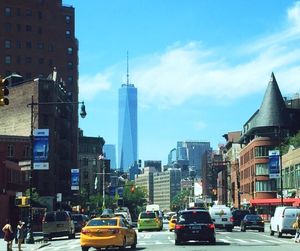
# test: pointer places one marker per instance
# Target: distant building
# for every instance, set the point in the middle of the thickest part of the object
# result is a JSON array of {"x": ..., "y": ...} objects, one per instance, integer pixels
[
  {"x": 127, "y": 148},
  {"x": 166, "y": 186},
  {"x": 145, "y": 181},
  {"x": 89, "y": 164},
  {"x": 153, "y": 163},
  {"x": 110, "y": 153}
]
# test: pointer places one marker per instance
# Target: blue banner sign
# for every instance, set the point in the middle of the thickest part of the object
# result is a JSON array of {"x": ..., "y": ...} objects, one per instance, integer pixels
[
  {"x": 274, "y": 164},
  {"x": 40, "y": 149},
  {"x": 74, "y": 179}
]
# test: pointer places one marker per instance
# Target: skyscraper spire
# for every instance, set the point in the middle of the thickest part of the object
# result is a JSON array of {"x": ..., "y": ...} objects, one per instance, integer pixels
[{"x": 127, "y": 70}]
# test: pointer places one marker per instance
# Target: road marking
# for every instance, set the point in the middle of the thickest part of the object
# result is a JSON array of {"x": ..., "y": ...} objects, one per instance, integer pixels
[{"x": 224, "y": 240}]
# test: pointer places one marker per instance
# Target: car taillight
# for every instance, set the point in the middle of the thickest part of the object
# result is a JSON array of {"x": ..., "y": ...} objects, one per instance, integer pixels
[
  {"x": 178, "y": 227},
  {"x": 211, "y": 226},
  {"x": 84, "y": 231},
  {"x": 231, "y": 219}
]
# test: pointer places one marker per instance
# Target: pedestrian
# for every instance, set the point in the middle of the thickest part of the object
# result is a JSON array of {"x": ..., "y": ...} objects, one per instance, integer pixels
[
  {"x": 297, "y": 227},
  {"x": 20, "y": 233},
  {"x": 8, "y": 235}
]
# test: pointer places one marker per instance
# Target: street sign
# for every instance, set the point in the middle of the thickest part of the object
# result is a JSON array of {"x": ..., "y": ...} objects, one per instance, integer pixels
[
  {"x": 75, "y": 179},
  {"x": 59, "y": 197},
  {"x": 274, "y": 164}
]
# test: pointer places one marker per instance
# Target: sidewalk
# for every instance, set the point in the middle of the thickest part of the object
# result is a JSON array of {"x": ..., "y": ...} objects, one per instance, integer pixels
[{"x": 38, "y": 243}]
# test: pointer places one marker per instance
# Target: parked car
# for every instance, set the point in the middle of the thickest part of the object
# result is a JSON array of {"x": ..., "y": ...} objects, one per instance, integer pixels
[
  {"x": 194, "y": 225},
  {"x": 172, "y": 222},
  {"x": 57, "y": 224},
  {"x": 283, "y": 219},
  {"x": 238, "y": 215},
  {"x": 79, "y": 221},
  {"x": 148, "y": 221},
  {"x": 253, "y": 222},
  {"x": 222, "y": 217},
  {"x": 107, "y": 232}
]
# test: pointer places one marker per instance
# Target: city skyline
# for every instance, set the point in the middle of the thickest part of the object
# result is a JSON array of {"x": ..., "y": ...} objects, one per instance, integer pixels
[{"x": 201, "y": 70}]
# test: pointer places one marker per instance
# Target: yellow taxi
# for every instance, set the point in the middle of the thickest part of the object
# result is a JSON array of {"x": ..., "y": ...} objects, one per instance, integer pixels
[
  {"x": 172, "y": 223},
  {"x": 107, "y": 232}
]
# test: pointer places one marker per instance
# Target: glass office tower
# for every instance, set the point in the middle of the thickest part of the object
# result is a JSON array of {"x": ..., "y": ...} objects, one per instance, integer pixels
[{"x": 127, "y": 145}]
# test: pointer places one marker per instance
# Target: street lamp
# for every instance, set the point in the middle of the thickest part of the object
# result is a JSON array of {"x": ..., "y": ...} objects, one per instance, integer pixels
[{"x": 29, "y": 237}]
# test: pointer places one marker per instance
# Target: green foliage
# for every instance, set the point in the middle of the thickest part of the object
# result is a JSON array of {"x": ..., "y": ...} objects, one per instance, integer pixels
[
  {"x": 290, "y": 141},
  {"x": 180, "y": 200}
]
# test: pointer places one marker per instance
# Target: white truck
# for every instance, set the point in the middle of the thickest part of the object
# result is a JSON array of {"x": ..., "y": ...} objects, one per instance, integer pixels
[{"x": 222, "y": 217}]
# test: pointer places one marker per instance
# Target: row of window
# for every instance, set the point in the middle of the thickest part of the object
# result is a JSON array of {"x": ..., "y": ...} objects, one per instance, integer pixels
[
  {"x": 9, "y": 12},
  {"x": 8, "y": 44},
  {"x": 11, "y": 151},
  {"x": 28, "y": 60}
]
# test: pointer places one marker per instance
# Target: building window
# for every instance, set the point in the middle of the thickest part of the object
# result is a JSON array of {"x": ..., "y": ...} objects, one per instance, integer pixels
[
  {"x": 28, "y": 13},
  {"x": 19, "y": 27},
  {"x": 266, "y": 186},
  {"x": 68, "y": 34},
  {"x": 70, "y": 66},
  {"x": 262, "y": 151},
  {"x": 7, "y": 11},
  {"x": 262, "y": 169},
  {"x": 18, "y": 59},
  {"x": 7, "y": 59},
  {"x": 7, "y": 27},
  {"x": 18, "y": 44},
  {"x": 26, "y": 152},
  {"x": 94, "y": 162},
  {"x": 70, "y": 51},
  {"x": 41, "y": 61},
  {"x": 7, "y": 44},
  {"x": 28, "y": 45},
  {"x": 10, "y": 150},
  {"x": 28, "y": 28},
  {"x": 70, "y": 79},
  {"x": 28, "y": 60},
  {"x": 40, "y": 45},
  {"x": 68, "y": 19}
]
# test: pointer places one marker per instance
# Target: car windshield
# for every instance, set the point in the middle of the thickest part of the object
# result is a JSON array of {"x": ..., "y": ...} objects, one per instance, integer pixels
[
  {"x": 194, "y": 217},
  {"x": 148, "y": 215},
  {"x": 253, "y": 217},
  {"x": 103, "y": 222}
]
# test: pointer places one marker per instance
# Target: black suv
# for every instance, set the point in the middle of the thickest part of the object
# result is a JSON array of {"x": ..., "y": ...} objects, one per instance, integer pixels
[
  {"x": 194, "y": 225},
  {"x": 238, "y": 215}
]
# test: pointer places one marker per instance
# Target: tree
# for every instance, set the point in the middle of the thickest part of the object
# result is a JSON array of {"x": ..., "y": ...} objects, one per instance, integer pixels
[
  {"x": 291, "y": 141},
  {"x": 180, "y": 200}
]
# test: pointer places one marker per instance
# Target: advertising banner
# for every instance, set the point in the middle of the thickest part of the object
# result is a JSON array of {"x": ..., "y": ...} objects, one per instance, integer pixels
[
  {"x": 274, "y": 164},
  {"x": 40, "y": 149},
  {"x": 74, "y": 179}
]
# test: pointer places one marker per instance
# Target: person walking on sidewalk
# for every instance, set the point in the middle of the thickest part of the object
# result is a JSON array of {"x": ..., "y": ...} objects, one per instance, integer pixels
[
  {"x": 8, "y": 235},
  {"x": 20, "y": 233},
  {"x": 297, "y": 227}
]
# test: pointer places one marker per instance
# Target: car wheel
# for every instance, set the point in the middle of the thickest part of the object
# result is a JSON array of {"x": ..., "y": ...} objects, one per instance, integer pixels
[
  {"x": 279, "y": 234},
  {"x": 84, "y": 248},
  {"x": 72, "y": 236},
  {"x": 133, "y": 246},
  {"x": 243, "y": 229},
  {"x": 124, "y": 244},
  {"x": 177, "y": 241}
]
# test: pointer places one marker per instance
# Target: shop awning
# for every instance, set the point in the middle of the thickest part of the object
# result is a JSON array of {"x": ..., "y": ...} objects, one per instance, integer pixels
[{"x": 275, "y": 202}]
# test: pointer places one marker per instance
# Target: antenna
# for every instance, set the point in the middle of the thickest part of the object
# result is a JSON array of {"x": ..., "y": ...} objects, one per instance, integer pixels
[{"x": 127, "y": 70}]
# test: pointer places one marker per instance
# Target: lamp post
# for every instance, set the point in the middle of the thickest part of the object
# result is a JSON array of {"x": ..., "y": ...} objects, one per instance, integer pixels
[{"x": 29, "y": 237}]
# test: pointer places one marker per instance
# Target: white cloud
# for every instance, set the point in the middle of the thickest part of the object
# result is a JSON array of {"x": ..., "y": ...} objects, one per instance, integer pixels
[
  {"x": 89, "y": 86},
  {"x": 294, "y": 14}
]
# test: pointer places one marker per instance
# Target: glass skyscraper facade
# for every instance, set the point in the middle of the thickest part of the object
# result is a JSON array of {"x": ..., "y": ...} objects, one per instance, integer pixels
[{"x": 127, "y": 144}]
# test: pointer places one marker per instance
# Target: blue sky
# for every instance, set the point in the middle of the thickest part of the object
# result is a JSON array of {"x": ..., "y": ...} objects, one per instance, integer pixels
[{"x": 201, "y": 67}]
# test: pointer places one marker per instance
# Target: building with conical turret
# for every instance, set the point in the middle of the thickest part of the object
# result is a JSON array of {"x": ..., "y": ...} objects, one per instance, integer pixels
[{"x": 275, "y": 120}]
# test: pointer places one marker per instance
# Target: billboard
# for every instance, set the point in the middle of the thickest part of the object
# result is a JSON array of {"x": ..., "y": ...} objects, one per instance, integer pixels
[
  {"x": 75, "y": 179},
  {"x": 40, "y": 149},
  {"x": 274, "y": 164}
]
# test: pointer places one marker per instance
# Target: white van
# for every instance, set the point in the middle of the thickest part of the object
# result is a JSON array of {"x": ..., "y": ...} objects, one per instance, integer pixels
[
  {"x": 283, "y": 219},
  {"x": 222, "y": 217}
]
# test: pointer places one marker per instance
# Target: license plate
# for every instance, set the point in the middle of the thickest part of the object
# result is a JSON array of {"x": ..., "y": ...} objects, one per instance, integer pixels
[
  {"x": 196, "y": 227},
  {"x": 60, "y": 225}
]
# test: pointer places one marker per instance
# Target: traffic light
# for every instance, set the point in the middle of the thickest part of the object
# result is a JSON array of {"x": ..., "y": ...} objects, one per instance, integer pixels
[
  {"x": 4, "y": 91},
  {"x": 132, "y": 189},
  {"x": 22, "y": 201}
]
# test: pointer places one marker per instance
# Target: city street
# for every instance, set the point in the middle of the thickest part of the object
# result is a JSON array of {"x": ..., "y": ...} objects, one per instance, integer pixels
[{"x": 164, "y": 240}]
